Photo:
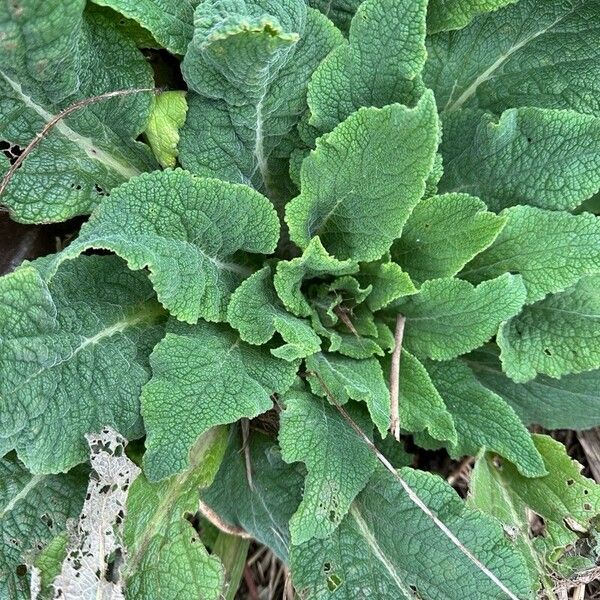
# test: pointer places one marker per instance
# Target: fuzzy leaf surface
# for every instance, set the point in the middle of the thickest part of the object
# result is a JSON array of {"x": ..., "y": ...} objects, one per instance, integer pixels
[{"x": 446, "y": 15}]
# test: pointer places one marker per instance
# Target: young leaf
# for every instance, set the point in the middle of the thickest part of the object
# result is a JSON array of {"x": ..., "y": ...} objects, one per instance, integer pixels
[
  {"x": 366, "y": 554},
  {"x": 185, "y": 230},
  {"x": 340, "y": 378},
  {"x": 483, "y": 419},
  {"x": 566, "y": 501},
  {"x": 262, "y": 508},
  {"x": 73, "y": 357},
  {"x": 444, "y": 233},
  {"x": 166, "y": 558},
  {"x": 314, "y": 262},
  {"x": 371, "y": 70},
  {"x": 541, "y": 157},
  {"x": 166, "y": 119},
  {"x": 257, "y": 313},
  {"x": 92, "y": 150},
  {"x": 449, "y": 317},
  {"x": 249, "y": 63},
  {"x": 551, "y": 250},
  {"x": 445, "y": 15},
  {"x": 33, "y": 510},
  {"x": 203, "y": 376},
  {"x": 389, "y": 283},
  {"x": 523, "y": 66},
  {"x": 339, "y": 464},
  {"x": 171, "y": 23},
  {"x": 363, "y": 180},
  {"x": 556, "y": 336},
  {"x": 571, "y": 402}
]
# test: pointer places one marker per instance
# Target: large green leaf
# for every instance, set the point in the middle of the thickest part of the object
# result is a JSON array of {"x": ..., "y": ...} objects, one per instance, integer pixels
[
  {"x": 541, "y": 157},
  {"x": 338, "y": 462},
  {"x": 483, "y": 419},
  {"x": 249, "y": 63},
  {"x": 371, "y": 70},
  {"x": 449, "y": 317},
  {"x": 186, "y": 231},
  {"x": 264, "y": 505},
  {"x": 257, "y": 313},
  {"x": 166, "y": 558},
  {"x": 363, "y": 180},
  {"x": 51, "y": 57},
  {"x": 571, "y": 402},
  {"x": 443, "y": 233},
  {"x": 556, "y": 336},
  {"x": 73, "y": 357},
  {"x": 33, "y": 510},
  {"x": 551, "y": 250},
  {"x": 169, "y": 21},
  {"x": 370, "y": 557},
  {"x": 445, "y": 15},
  {"x": 203, "y": 376},
  {"x": 340, "y": 12},
  {"x": 512, "y": 58}
]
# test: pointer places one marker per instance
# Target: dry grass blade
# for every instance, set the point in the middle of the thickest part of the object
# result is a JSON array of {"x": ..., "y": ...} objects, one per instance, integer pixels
[{"x": 395, "y": 378}]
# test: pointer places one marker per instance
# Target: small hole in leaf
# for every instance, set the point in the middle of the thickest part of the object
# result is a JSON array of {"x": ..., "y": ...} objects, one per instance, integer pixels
[
  {"x": 570, "y": 481},
  {"x": 586, "y": 492},
  {"x": 547, "y": 352},
  {"x": 21, "y": 571},
  {"x": 333, "y": 582},
  {"x": 587, "y": 506}
]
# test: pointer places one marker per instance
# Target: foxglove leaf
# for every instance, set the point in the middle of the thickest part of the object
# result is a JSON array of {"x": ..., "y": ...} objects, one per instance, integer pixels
[
  {"x": 65, "y": 57},
  {"x": 483, "y": 419},
  {"x": 363, "y": 180},
  {"x": 556, "y": 336},
  {"x": 338, "y": 462},
  {"x": 551, "y": 250},
  {"x": 203, "y": 376},
  {"x": 257, "y": 313},
  {"x": 523, "y": 65},
  {"x": 449, "y": 317},
  {"x": 73, "y": 357},
  {"x": 249, "y": 64},
  {"x": 389, "y": 283},
  {"x": 371, "y": 70},
  {"x": 185, "y": 230},
  {"x": 444, "y": 15},
  {"x": 340, "y": 12},
  {"x": 444, "y": 233},
  {"x": 541, "y": 157}
]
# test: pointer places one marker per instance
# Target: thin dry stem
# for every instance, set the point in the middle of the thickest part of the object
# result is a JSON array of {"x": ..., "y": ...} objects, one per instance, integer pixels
[
  {"x": 395, "y": 378},
  {"x": 210, "y": 515},
  {"x": 59, "y": 117}
]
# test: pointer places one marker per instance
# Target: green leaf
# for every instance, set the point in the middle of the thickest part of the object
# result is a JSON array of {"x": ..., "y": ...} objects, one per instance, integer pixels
[
  {"x": 556, "y": 336},
  {"x": 169, "y": 21},
  {"x": 443, "y": 233},
  {"x": 257, "y": 313},
  {"x": 483, "y": 419},
  {"x": 346, "y": 379},
  {"x": 33, "y": 510},
  {"x": 73, "y": 357},
  {"x": 389, "y": 283},
  {"x": 541, "y": 157},
  {"x": 166, "y": 558},
  {"x": 338, "y": 462},
  {"x": 203, "y": 376},
  {"x": 366, "y": 553},
  {"x": 263, "y": 508},
  {"x": 449, "y": 317},
  {"x": 511, "y": 58},
  {"x": 445, "y": 15},
  {"x": 48, "y": 564},
  {"x": 249, "y": 64},
  {"x": 166, "y": 119},
  {"x": 56, "y": 57},
  {"x": 571, "y": 402},
  {"x": 421, "y": 408},
  {"x": 551, "y": 250},
  {"x": 340, "y": 12},
  {"x": 356, "y": 214},
  {"x": 186, "y": 231},
  {"x": 371, "y": 69},
  {"x": 314, "y": 262},
  {"x": 566, "y": 501}
]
